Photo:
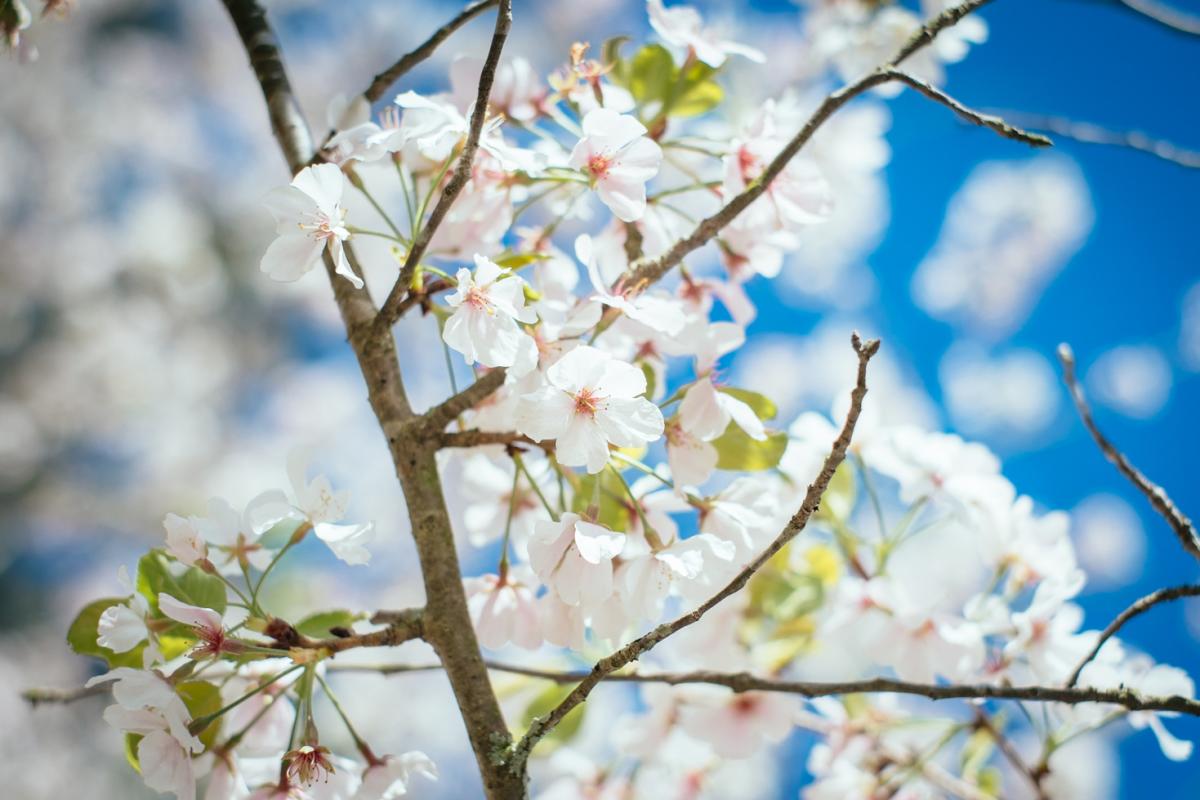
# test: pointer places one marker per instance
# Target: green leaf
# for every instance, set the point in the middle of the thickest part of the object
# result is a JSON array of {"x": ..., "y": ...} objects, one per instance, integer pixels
[
  {"x": 737, "y": 451},
  {"x": 194, "y": 586},
  {"x": 651, "y": 379},
  {"x": 81, "y": 636},
  {"x": 762, "y": 405},
  {"x": 131, "y": 745},
  {"x": 202, "y": 698},
  {"x": 697, "y": 92},
  {"x": 615, "y": 511},
  {"x": 317, "y": 625},
  {"x": 544, "y": 703},
  {"x": 652, "y": 75},
  {"x": 787, "y": 596},
  {"x": 518, "y": 260}
]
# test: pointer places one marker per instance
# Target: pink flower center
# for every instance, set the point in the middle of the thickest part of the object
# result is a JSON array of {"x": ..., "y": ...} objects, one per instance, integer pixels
[
  {"x": 586, "y": 402},
  {"x": 476, "y": 298},
  {"x": 321, "y": 228},
  {"x": 748, "y": 164},
  {"x": 745, "y": 705},
  {"x": 598, "y": 165}
]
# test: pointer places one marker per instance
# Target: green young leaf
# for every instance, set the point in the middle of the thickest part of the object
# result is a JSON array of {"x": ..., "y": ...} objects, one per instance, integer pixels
[
  {"x": 81, "y": 636},
  {"x": 610, "y": 54},
  {"x": 652, "y": 75},
  {"x": 696, "y": 92},
  {"x": 614, "y": 511},
  {"x": 738, "y": 452},
  {"x": 544, "y": 703},
  {"x": 651, "y": 379},
  {"x": 762, "y": 405},
  {"x": 202, "y": 698},
  {"x": 131, "y": 754},
  {"x": 194, "y": 586},
  {"x": 317, "y": 625},
  {"x": 518, "y": 260}
]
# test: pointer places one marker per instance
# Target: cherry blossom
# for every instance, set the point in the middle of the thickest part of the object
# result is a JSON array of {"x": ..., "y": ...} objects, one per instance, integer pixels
[
  {"x": 591, "y": 400},
  {"x": 309, "y": 218},
  {"x": 206, "y": 623},
  {"x": 388, "y": 777},
  {"x": 122, "y": 627},
  {"x": 488, "y": 304},
  {"x": 683, "y": 26},
  {"x": 503, "y": 610},
  {"x": 322, "y": 507},
  {"x": 618, "y": 159},
  {"x": 574, "y": 558},
  {"x": 736, "y": 725}
]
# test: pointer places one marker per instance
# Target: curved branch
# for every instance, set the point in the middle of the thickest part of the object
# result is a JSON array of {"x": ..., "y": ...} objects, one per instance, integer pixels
[
  {"x": 384, "y": 80},
  {"x": 969, "y": 114},
  {"x": 635, "y": 649},
  {"x": 746, "y": 682},
  {"x": 648, "y": 271},
  {"x": 1162, "y": 503},
  {"x": 1088, "y": 133},
  {"x": 438, "y": 417},
  {"x": 1136, "y": 608},
  {"x": 462, "y": 169},
  {"x": 1165, "y": 15}
]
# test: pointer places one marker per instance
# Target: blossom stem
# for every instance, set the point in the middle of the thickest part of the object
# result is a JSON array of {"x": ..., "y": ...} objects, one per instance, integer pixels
[
  {"x": 409, "y": 197},
  {"x": 263, "y": 578},
  {"x": 869, "y": 485},
  {"x": 380, "y": 234},
  {"x": 358, "y": 740},
  {"x": 235, "y": 589},
  {"x": 520, "y": 462},
  {"x": 638, "y": 465},
  {"x": 689, "y": 187},
  {"x": 502, "y": 570},
  {"x": 200, "y": 724},
  {"x": 652, "y": 537},
  {"x": 358, "y": 184}
]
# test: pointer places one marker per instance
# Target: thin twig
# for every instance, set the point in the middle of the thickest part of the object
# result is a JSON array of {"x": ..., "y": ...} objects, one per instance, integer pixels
[
  {"x": 462, "y": 169},
  {"x": 1008, "y": 751},
  {"x": 646, "y": 271},
  {"x": 969, "y": 114},
  {"x": 1162, "y": 503},
  {"x": 638, "y": 647},
  {"x": 47, "y": 695},
  {"x": 1089, "y": 133},
  {"x": 1136, "y": 608},
  {"x": 478, "y": 438},
  {"x": 384, "y": 80},
  {"x": 746, "y": 682}
]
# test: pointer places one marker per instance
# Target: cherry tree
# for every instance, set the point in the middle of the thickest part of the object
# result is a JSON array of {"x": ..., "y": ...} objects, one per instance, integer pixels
[{"x": 883, "y": 586}]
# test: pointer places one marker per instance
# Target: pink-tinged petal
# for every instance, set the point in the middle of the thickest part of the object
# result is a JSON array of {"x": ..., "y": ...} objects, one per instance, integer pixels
[
  {"x": 486, "y": 270},
  {"x": 324, "y": 183},
  {"x": 623, "y": 380},
  {"x": 581, "y": 368},
  {"x": 701, "y": 413},
  {"x": 743, "y": 415},
  {"x": 595, "y": 585},
  {"x": 626, "y": 199},
  {"x": 290, "y": 256},
  {"x": 457, "y": 333},
  {"x": 348, "y": 542},
  {"x": 631, "y": 422},
  {"x": 611, "y": 129},
  {"x": 582, "y": 443},
  {"x": 166, "y": 766},
  {"x": 289, "y": 206},
  {"x": 691, "y": 459},
  {"x": 597, "y": 543},
  {"x": 195, "y": 616},
  {"x": 544, "y": 414},
  {"x": 120, "y": 629},
  {"x": 342, "y": 265},
  {"x": 639, "y": 161}
]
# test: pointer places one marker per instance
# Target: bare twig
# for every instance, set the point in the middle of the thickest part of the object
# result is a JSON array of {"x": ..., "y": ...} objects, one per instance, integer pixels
[
  {"x": 402, "y": 626},
  {"x": 635, "y": 649},
  {"x": 1006, "y": 748},
  {"x": 1180, "y": 524},
  {"x": 1088, "y": 133},
  {"x": 746, "y": 682},
  {"x": 384, "y": 80},
  {"x": 646, "y": 271},
  {"x": 1136, "y": 608},
  {"x": 45, "y": 695},
  {"x": 1165, "y": 15},
  {"x": 969, "y": 114},
  {"x": 477, "y": 438},
  {"x": 438, "y": 417},
  {"x": 462, "y": 169}
]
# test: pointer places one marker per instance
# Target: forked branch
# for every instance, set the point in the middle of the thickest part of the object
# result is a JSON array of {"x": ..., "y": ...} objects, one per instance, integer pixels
[{"x": 643, "y": 644}]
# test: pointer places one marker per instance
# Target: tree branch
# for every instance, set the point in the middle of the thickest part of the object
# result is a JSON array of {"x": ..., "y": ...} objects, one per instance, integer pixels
[
  {"x": 384, "y": 80},
  {"x": 970, "y": 115},
  {"x": 1165, "y": 15},
  {"x": 438, "y": 417},
  {"x": 647, "y": 271},
  {"x": 746, "y": 682},
  {"x": 462, "y": 169},
  {"x": 478, "y": 438},
  {"x": 46, "y": 695},
  {"x": 635, "y": 649},
  {"x": 1180, "y": 524},
  {"x": 402, "y": 626},
  {"x": 1136, "y": 608},
  {"x": 1088, "y": 133}
]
